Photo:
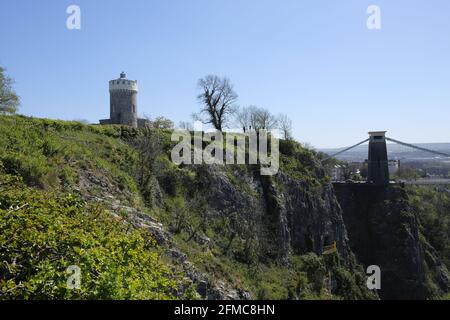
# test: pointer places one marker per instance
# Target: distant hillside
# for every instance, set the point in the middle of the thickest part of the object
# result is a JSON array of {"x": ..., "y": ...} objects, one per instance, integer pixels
[{"x": 395, "y": 151}]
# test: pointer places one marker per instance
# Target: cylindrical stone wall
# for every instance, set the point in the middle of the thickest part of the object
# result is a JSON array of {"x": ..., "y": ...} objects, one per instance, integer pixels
[{"x": 123, "y": 102}]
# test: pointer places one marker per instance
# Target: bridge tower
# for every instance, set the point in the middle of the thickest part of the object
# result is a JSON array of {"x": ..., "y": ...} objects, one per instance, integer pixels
[{"x": 378, "y": 161}]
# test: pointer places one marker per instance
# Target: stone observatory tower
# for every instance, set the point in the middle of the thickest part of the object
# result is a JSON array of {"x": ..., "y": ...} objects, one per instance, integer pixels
[{"x": 123, "y": 103}]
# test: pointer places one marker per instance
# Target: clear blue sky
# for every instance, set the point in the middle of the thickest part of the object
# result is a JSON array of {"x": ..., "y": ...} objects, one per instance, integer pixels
[{"x": 314, "y": 60}]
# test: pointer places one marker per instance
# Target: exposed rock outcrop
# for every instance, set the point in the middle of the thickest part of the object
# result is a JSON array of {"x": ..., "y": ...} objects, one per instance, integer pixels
[{"x": 285, "y": 213}]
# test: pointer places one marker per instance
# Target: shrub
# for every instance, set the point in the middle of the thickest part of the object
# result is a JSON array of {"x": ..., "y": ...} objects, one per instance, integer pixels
[{"x": 42, "y": 233}]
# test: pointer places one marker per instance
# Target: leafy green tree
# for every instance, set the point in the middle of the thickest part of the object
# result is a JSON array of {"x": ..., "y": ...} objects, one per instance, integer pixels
[
  {"x": 162, "y": 123},
  {"x": 9, "y": 100}
]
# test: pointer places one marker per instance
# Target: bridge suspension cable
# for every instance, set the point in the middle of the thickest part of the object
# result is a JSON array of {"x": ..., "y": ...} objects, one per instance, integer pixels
[
  {"x": 419, "y": 148},
  {"x": 345, "y": 150}
]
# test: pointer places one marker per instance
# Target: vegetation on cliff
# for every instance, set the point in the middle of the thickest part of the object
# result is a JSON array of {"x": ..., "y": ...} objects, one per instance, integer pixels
[
  {"x": 60, "y": 179},
  {"x": 76, "y": 194},
  {"x": 42, "y": 233},
  {"x": 45, "y": 228},
  {"x": 433, "y": 207},
  {"x": 397, "y": 228}
]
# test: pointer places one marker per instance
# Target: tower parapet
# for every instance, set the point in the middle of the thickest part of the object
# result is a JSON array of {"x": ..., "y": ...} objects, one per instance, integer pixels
[{"x": 123, "y": 84}]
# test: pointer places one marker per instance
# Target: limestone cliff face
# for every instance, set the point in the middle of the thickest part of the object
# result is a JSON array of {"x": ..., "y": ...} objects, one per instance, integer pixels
[
  {"x": 309, "y": 218},
  {"x": 287, "y": 215},
  {"x": 384, "y": 231},
  {"x": 283, "y": 216}
]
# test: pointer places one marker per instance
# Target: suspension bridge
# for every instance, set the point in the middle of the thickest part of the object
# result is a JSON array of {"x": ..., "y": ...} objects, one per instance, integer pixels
[{"x": 378, "y": 161}]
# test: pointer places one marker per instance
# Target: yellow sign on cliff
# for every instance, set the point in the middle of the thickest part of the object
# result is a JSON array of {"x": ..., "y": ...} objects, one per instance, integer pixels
[{"x": 330, "y": 249}]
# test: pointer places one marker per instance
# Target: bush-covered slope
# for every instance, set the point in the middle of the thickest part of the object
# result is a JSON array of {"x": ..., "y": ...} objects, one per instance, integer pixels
[
  {"x": 46, "y": 225},
  {"x": 432, "y": 206},
  {"x": 42, "y": 233}
]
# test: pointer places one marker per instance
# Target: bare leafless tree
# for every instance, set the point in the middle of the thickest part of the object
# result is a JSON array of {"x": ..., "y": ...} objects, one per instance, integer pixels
[
  {"x": 285, "y": 126},
  {"x": 267, "y": 121},
  {"x": 262, "y": 119},
  {"x": 185, "y": 125},
  {"x": 243, "y": 118},
  {"x": 255, "y": 118},
  {"x": 217, "y": 99}
]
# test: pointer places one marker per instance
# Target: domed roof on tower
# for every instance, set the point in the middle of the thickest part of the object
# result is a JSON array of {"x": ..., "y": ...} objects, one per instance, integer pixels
[{"x": 123, "y": 75}]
